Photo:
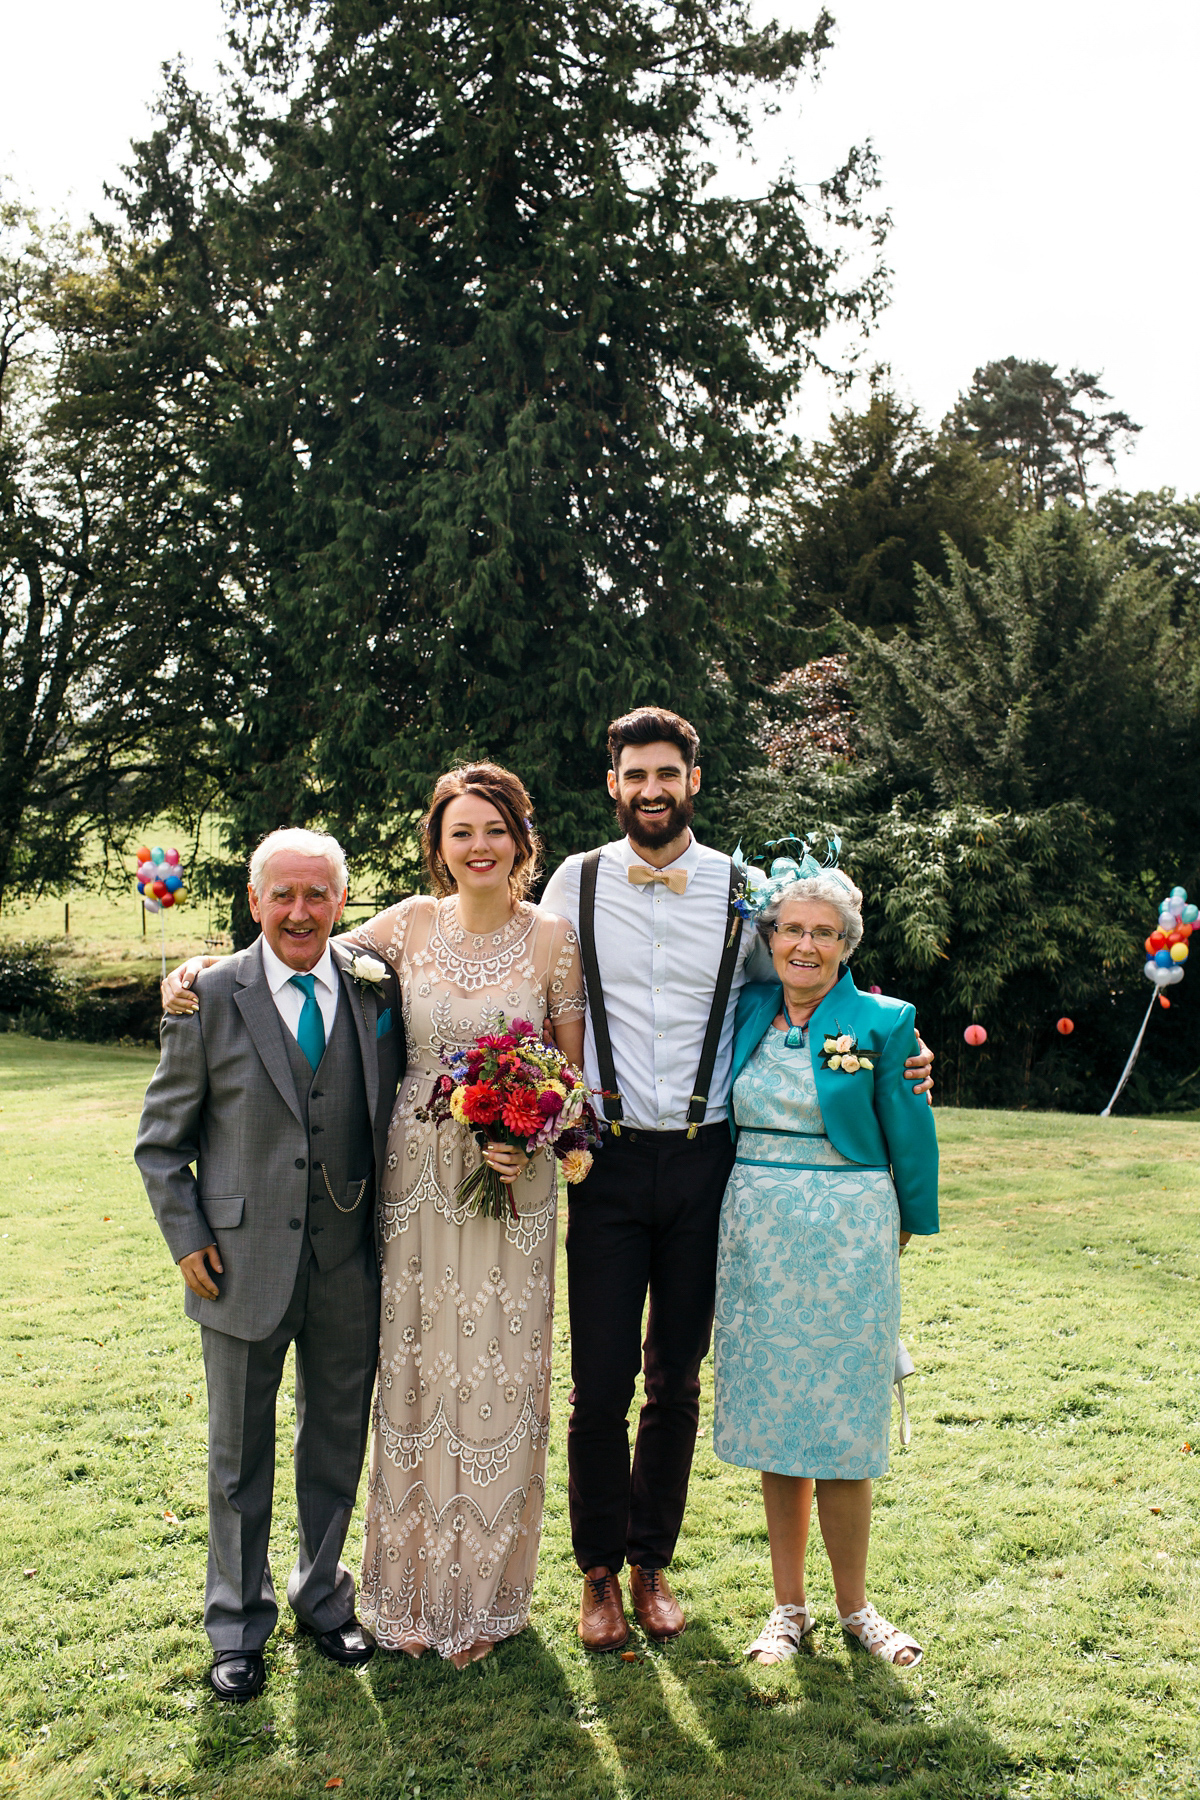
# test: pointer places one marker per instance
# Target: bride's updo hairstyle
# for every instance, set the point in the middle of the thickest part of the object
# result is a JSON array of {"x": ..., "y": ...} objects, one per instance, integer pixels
[{"x": 501, "y": 789}]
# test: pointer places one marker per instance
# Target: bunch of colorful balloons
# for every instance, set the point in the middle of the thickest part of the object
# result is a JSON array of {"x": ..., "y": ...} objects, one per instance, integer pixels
[
  {"x": 160, "y": 878},
  {"x": 1167, "y": 945}
]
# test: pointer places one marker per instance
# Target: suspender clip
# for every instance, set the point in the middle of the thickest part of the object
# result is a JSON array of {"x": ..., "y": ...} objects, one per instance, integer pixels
[
  {"x": 615, "y": 1127},
  {"x": 692, "y": 1130}
]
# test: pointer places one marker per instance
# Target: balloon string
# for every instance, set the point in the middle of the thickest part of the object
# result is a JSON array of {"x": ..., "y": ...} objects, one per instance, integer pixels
[{"x": 1133, "y": 1056}]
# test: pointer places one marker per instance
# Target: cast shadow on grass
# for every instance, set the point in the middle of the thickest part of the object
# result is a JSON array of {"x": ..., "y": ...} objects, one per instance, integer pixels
[
  {"x": 507, "y": 1726},
  {"x": 821, "y": 1720}
]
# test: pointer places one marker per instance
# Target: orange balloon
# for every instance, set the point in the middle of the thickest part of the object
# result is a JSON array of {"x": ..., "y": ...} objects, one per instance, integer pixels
[
  {"x": 143, "y": 854},
  {"x": 1163, "y": 1001},
  {"x": 1066, "y": 1026}
]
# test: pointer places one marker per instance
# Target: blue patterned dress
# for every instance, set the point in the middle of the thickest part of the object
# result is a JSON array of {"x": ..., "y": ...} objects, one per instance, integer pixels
[{"x": 808, "y": 1290}]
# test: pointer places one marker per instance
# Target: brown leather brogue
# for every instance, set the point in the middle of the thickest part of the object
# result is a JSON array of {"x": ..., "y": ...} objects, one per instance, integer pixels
[
  {"x": 657, "y": 1610},
  {"x": 602, "y": 1623}
]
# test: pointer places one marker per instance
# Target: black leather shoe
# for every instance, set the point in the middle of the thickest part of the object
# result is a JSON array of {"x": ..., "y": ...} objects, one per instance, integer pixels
[
  {"x": 350, "y": 1644},
  {"x": 237, "y": 1674}
]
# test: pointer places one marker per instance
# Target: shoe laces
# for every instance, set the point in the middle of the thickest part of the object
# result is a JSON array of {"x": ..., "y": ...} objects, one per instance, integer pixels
[
  {"x": 600, "y": 1586},
  {"x": 650, "y": 1577}
]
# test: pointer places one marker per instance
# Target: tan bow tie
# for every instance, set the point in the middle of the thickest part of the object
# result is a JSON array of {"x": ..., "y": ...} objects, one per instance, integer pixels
[{"x": 675, "y": 879}]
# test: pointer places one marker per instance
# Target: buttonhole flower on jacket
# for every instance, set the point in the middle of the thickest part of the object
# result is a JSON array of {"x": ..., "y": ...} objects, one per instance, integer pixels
[
  {"x": 367, "y": 971},
  {"x": 840, "y": 1051}
]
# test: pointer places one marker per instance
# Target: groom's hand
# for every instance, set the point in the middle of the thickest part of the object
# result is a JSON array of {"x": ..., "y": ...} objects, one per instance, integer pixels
[
  {"x": 195, "y": 1272},
  {"x": 919, "y": 1069}
]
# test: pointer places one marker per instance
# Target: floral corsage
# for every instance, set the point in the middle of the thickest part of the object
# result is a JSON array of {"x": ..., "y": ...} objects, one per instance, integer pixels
[{"x": 842, "y": 1052}]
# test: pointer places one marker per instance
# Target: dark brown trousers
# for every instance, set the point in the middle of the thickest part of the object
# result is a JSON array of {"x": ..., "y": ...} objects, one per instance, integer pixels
[{"x": 644, "y": 1221}]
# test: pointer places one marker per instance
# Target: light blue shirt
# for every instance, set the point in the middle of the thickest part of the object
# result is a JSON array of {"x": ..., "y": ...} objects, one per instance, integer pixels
[{"x": 658, "y": 954}]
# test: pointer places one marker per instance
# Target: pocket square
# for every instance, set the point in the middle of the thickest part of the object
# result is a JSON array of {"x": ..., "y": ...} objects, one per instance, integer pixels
[{"x": 383, "y": 1023}]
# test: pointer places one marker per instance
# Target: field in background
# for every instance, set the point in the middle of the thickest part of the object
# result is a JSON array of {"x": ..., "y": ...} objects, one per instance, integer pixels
[{"x": 1039, "y": 1536}]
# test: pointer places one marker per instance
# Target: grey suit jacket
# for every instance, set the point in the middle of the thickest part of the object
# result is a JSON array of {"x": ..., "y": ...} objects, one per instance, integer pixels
[{"x": 222, "y": 1145}]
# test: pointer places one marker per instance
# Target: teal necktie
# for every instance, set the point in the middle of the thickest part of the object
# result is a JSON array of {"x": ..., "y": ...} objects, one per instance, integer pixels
[{"x": 310, "y": 1033}]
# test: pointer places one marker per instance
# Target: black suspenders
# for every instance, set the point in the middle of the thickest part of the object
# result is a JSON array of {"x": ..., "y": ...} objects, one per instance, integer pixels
[{"x": 698, "y": 1104}]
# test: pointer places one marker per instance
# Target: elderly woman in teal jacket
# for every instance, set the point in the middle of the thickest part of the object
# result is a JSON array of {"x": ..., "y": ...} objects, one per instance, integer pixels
[{"x": 837, "y": 1167}]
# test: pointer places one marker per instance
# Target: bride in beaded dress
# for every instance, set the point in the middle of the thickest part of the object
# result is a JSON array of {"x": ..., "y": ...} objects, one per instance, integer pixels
[{"x": 462, "y": 1402}]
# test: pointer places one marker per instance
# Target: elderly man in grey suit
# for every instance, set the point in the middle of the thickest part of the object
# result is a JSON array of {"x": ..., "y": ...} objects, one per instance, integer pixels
[{"x": 261, "y": 1144}]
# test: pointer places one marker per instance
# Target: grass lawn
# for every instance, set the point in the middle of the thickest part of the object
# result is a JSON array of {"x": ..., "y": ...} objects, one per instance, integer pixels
[{"x": 1039, "y": 1536}]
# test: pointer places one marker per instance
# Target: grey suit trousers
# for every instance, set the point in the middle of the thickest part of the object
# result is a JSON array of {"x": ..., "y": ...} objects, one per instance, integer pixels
[{"x": 333, "y": 1319}]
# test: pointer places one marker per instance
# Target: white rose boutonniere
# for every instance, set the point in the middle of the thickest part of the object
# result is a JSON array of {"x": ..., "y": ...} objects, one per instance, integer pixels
[
  {"x": 368, "y": 974},
  {"x": 367, "y": 971}
]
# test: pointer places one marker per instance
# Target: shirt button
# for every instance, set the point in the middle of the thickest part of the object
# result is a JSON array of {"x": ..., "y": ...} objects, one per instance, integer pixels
[
  {"x": 660, "y": 1033},
  {"x": 299, "y": 1162},
  {"x": 295, "y": 1224},
  {"x": 313, "y": 1230}
]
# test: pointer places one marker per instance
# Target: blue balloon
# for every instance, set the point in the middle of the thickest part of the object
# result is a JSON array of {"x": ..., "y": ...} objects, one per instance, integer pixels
[
  {"x": 1163, "y": 959},
  {"x": 172, "y": 883},
  {"x": 1179, "y": 893},
  {"x": 141, "y": 887}
]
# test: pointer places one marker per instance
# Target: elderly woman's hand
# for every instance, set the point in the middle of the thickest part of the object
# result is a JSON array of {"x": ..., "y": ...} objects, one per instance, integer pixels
[{"x": 904, "y": 1240}]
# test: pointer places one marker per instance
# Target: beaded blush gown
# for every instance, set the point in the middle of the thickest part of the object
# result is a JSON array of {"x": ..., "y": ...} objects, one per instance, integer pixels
[{"x": 462, "y": 1401}]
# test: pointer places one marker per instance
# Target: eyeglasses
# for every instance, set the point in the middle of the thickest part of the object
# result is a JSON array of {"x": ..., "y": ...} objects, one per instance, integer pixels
[{"x": 820, "y": 934}]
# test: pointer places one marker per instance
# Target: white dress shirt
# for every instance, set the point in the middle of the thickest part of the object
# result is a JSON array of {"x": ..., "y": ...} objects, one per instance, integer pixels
[
  {"x": 658, "y": 955},
  {"x": 289, "y": 1000}
]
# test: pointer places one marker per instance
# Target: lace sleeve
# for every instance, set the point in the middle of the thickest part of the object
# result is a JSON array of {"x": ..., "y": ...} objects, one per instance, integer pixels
[
  {"x": 564, "y": 989},
  {"x": 385, "y": 933}
]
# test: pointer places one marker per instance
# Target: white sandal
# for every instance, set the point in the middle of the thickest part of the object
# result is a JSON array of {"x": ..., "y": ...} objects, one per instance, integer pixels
[
  {"x": 783, "y": 1632},
  {"x": 878, "y": 1636}
]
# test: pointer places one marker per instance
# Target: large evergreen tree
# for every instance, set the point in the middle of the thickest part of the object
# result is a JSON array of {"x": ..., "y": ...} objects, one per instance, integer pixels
[{"x": 498, "y": 373}]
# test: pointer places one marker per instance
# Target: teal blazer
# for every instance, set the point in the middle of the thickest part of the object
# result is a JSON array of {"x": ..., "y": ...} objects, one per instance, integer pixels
[{"x": 872, "y": 1116}]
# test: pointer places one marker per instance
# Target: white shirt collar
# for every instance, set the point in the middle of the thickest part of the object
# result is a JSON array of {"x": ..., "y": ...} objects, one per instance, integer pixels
[
  {"x": 278, "y": 974},
  {"x": 690, "y": 860}
]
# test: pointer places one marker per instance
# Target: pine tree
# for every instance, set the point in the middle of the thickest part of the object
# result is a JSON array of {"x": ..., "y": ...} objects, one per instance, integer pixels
[{"x": 499, "y": 374}]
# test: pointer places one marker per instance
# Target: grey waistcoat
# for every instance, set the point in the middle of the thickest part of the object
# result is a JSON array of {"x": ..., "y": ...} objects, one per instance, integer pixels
[{"x": 340, "y": 1147}]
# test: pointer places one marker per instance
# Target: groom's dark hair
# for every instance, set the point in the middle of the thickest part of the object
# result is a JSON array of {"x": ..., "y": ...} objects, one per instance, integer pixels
[{"x": 653, "y": 725}]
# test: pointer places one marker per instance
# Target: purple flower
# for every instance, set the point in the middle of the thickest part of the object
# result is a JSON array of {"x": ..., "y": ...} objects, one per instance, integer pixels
[{"x": 550, "y": 1104}]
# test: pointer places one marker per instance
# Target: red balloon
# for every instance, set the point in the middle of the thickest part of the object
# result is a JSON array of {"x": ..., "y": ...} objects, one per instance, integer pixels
[
  {"x": 159, "y": 889},
  {"x": 1066, "y": 1026},
  {"x": 975, "y": 1034},
  {"x": 1163, "y": 1001},
  {"x": 1156, "y": 941},
  {"x": 168, "y": 899}
]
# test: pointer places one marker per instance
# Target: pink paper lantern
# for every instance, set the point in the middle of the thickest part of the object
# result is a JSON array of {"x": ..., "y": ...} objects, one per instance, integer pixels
[{"x": 975, "y": 1035}]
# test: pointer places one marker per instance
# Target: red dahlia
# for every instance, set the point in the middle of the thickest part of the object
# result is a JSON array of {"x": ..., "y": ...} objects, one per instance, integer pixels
[
  {"x": 522, "y": 1114},
  {"x": 481, "y": 1103}
]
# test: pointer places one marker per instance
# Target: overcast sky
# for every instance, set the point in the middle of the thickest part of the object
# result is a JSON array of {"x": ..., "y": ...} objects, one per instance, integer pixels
[{"x": 1039, "y": 159}]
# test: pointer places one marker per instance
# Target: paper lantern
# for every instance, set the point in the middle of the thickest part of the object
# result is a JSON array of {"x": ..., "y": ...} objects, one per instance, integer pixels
[
  {"x": 975, "y": 1035},
  {"x": 1066, "y": 1026}
]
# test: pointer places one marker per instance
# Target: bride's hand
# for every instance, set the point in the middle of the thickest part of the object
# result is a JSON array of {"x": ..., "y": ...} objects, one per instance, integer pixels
[
  {"x": 508, "y": 1163},
  {"x": 176, "y": 988}
]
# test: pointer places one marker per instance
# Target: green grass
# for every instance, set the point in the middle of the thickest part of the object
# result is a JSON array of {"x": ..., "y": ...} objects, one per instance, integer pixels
[{"x": 1039, "y": 1536}]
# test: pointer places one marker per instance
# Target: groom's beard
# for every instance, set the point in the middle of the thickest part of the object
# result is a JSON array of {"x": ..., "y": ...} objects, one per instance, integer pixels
[{"x": 652, "y": 833}]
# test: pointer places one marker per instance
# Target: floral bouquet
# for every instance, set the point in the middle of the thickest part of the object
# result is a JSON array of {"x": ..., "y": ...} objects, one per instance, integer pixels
[{"x": 511, "y": 1088}]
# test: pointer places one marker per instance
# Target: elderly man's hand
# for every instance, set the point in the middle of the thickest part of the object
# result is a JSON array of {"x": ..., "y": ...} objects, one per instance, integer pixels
[
  {"x": 194, "y": 1269},
  {"x": 920, "y": 1069}
]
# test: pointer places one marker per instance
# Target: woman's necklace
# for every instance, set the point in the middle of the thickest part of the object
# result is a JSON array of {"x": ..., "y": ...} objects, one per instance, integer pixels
[{"x": 795, "y": 1037}]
